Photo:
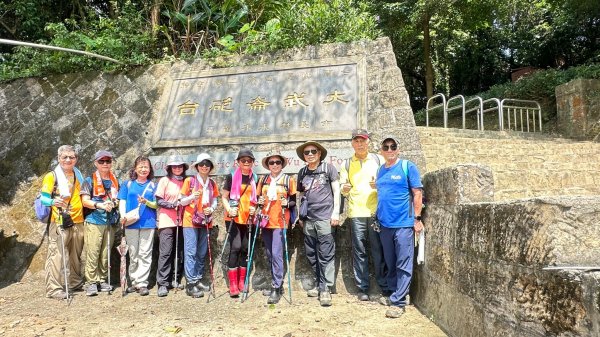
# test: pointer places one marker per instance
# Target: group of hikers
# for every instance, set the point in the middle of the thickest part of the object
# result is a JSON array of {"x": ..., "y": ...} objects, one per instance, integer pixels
[{"x": 383, "y": 192}]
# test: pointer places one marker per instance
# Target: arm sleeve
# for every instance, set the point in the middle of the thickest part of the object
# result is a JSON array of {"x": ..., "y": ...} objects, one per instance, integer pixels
[
  {"x": 123, "y": 206},
  {"x": 47, "y": 188},
  {"x": 164, "y": 204}
]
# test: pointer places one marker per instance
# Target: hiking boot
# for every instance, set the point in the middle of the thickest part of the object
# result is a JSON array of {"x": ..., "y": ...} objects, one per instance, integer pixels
[
  {"x": 266, "y": 292},
  {"x": 384, "y": 300},
  {"x": 314, "y": 292},
  {"x": 275, "y": 296},
  {"x": 325, "y": 298},
  {"x": 92, "y": 290},
  {"x": 59, "y": 295},
  {"x": 395, "y": 312},
  {"x": 363, "y": 296},
  {"x": 191, "y": 289},
  {"x": 105, "y": 287},
  {"x": 162, "y": 291},
  {"x": 143, "y": 291},
  {"x": 131, "y": 290},
  {"x": 202, "y": 286}
]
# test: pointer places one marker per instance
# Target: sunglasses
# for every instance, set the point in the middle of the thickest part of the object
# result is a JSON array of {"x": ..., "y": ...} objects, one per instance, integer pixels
[
  {"x": 68, "y": 157},
  {"x": 313, "y": 151},
  {"x": 205, "y": 163},
  {"x": 390, "y": 147},
  {"x": 104, "y": 161},
  {"x": 275, "y": 162},
  {"x": 246, "y": 161}
]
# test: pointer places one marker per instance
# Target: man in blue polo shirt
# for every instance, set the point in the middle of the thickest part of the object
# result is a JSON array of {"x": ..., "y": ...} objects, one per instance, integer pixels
[{"x": 400, "y": 200}]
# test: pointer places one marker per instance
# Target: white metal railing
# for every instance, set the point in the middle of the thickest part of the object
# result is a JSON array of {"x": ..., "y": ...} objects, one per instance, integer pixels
[{"x": 520, "y": 114}]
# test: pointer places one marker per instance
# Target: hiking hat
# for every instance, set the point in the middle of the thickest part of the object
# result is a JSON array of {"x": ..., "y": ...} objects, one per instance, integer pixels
[
  {"x": 102, "y": 154},
  {"x": 390, "y": 138},
  {"x": 177, "y": 160},
  {"x": 201, "y": 157},
  {"x": 274, "y": 153},
  {"x": 245, "y": 152},
  {"x": 300, "y": 149},
  {"x": 362, "y": 133}
]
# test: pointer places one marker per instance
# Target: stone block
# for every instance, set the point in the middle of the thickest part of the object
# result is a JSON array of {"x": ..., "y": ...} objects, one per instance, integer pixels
[{"x": 460, "y": 184}]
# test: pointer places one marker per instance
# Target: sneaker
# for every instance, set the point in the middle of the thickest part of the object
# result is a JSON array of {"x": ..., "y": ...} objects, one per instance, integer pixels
[
  {"x": 314, "y": 292},
  {"x": 131, "y": 290},
  {"x": 325, "y": 298},
  {"x": 59, "y": 295},
  {"x": 202, "y": 286},
  {"x": 92, "y": 290},
  {"x": 395, "y": 312},
  {"x": 105, "y": 287},
  {"x": 162, "y": 291},
  {"x": 191, "y": 289},
  {"x": 384, "y": 300},
  {"x": 363, "y": 296},
  {"x": 143, "y": 291}
]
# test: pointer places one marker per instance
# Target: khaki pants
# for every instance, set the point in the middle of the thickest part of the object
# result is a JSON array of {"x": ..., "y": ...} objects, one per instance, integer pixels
[
  {"x": 96, "y": 255},
  {"x": 73, "y": 246},
  {"x": 139, "y": 242}
]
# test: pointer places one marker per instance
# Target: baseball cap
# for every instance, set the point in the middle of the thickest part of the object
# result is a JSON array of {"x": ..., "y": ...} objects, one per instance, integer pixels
[{"x": 363, "y": 133}]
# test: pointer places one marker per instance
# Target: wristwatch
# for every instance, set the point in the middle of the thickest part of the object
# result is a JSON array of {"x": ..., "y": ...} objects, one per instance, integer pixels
[{"x": 418, "y": 218}]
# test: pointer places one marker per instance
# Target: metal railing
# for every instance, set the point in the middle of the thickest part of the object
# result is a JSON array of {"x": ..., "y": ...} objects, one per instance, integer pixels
[{"x": 520, "y": 114}]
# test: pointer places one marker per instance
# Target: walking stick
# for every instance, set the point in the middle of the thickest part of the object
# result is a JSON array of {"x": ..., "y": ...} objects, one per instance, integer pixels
[
  {"x": 64, "y": 258},
  {"x": 175, "y": 282},
  {"x": 108, "y": 249},
  {"x": 287, "y": 257},
  {"x": 250, "y": 254},
  {"x": 123, "y": 267},
  {"x": 212, "y": 275}
]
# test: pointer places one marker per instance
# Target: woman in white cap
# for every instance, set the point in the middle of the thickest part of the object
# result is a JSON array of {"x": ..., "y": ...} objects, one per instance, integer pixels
[
  {"x": 138, "y": 193},
  {"x": 239, "y": 199},
  {"x": 169, "y": 236},
  {"x": 199, "y": 194},
  {"x": 277, "y": 194}
]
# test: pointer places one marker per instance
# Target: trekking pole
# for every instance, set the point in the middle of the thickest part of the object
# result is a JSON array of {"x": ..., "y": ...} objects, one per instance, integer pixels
[
  {"x": 123, "y": 267},
  {"x": 108, "y": 249},
  {"x": 287, "y": 257},
  {"x": 251, "y": 254},
  {"x": 175, "y": 282},
  {"x": 212, "y": 275},
  {"x": 64, "y": 258}
]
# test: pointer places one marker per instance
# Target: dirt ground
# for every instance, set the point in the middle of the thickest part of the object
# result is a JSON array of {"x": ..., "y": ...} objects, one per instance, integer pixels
[{"x": 26, "y": 312}]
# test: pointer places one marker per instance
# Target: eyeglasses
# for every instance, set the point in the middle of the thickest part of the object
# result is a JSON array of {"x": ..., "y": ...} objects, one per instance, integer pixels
[
  {"x": 275, "y": 162},
  {"x": 104, "y": 161},
  {"x": 389, "y": 147},
  {"x": 246, "y": 161},
  {"x": 205, "y": 163},
  {"x": 312, "y": 151},
  {"x": 177, "y": 166},
  {"x": 67, "y": 158}
]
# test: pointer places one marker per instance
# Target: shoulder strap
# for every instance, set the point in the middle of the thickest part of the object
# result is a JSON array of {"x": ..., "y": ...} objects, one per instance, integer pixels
[
  {"x": 347, "y": 165},
  {"x": 376, "y": 158},
  {"x": 405, "y": 170}
]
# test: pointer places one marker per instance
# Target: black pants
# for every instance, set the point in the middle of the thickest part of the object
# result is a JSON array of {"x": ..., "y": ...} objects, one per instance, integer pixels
[
  {"x": 166, "y": 256},
  {"x": 238, "y": 245}
]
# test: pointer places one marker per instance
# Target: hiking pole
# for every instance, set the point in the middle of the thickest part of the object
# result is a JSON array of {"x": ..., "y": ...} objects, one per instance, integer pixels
[
  {"x": 123, "y": 267},
  {"x": 251, "y": 254},
  {"x": 175, "y": 282},
  {"x": 64, "y": 258},
  {"x": 212, "y": 275},
  {"x": 287, "y": 257},
  {"x": 249, "y": 223}
]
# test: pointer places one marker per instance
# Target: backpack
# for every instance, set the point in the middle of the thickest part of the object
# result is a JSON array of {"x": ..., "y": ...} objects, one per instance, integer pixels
[
  {"x": 347, "y": 166},
  {"x": 43, "y": 212},
  {"x": 286, "y": 185}
]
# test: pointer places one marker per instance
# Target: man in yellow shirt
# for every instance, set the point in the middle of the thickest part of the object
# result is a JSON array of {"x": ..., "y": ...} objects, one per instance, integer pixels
[
  {"x": 60, "y": 190},
  {"x": 355, "y": 175}
]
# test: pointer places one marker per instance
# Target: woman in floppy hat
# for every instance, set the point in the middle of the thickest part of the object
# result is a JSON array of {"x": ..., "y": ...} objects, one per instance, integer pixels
[
  {"x": 167, "y": 197},
  {"x": 199, "y": 194},
  {"x": 277, "y": 192},
  {"x": 239, "y": 200}
]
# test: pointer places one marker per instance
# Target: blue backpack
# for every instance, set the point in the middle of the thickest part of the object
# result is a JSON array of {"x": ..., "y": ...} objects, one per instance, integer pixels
[{"x": 43, "y": 212}]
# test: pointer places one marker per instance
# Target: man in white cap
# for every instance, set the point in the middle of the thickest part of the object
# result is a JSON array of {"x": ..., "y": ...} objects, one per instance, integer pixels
[
  {"x": 355, "y": 175},
  {"x": 319, "y": 189}
]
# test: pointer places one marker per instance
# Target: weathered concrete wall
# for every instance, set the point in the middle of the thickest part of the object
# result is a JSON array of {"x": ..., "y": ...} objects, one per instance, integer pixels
[
  {"x": 578, "y": 108},
  {"x": 524, "y": 165},
  {"x": 121, "y": 111},
  {"x": 483, "y": 271}
]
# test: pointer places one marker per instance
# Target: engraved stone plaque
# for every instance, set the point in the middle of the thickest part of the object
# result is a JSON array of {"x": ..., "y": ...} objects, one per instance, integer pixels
[{"x": 262, "y": 104}]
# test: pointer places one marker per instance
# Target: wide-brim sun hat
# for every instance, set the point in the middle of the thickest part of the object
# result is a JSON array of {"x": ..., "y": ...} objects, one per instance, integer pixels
[
  {"x": 274, "y": 153},
  {"x": 177, "y": 160},
  {"x": 245, "y": 152},
  {"x": 201, "y": 157},
  {"x": 300, "y": 149}
]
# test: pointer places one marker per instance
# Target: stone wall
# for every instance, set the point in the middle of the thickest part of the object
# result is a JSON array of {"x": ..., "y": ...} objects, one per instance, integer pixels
[
  {"x": 578, "y": 109},
  {"x": 120, "y": 112},
  {"x": 524, "y": 165},
  {"x": 483, "y": 273}
]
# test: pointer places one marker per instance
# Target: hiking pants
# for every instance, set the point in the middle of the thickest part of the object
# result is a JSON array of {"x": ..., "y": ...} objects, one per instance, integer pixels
[
  {"x": 398, "y": 251},
  {"x": 319, "y": 244},
  {"x": 139, "y": 243},
  {"x": 195, "y": 249},
  {"x": 166, "y": 256},
  {"x": 273, "y": 240},
  {"x": 73, "y": 243},
  {"x": 361, "y": 230},
  {"x": 238, "y": 246},
  {"x": 96, "y": 254}
]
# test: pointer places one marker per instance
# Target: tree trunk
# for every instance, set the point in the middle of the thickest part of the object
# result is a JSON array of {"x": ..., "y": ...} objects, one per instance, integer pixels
[
  {"x": 427, "y": 55},
  {"x": 155, "y": 16}
]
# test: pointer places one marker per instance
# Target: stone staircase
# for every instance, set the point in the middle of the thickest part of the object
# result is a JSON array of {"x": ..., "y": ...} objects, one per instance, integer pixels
[{"x": 523, "y": 165}]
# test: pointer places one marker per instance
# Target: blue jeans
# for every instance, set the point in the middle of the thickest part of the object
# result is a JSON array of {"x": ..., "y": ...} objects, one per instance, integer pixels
[
  {"x": 398, "y": 252},
  {"x": 361, "y": 229},
  {"x": 196, "y": 246}
]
